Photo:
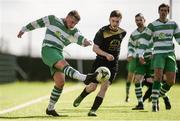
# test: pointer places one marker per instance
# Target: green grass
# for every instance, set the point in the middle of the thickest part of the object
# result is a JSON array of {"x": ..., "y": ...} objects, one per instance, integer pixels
[{"x": 113, "y": 108}]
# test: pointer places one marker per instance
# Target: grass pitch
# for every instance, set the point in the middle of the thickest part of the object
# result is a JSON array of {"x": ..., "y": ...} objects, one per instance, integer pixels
[{"x": 27, "y": 101}]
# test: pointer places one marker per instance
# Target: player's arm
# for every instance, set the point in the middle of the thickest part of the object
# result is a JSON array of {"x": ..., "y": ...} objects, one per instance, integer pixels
[
  {"x": 81, "y": 40},
  {"x": 98, "y": 40},
  {"x": 177, "y": 33},
  {"x": 98, "y": 51},
  {"x": 131, "y": 49},
  {"x": 40, "y": 23}
]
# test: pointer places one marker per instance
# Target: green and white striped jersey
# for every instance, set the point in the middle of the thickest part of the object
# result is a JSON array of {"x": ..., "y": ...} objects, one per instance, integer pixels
[
  {"x": 134, "y": 43},
  {"x": 162, "y": 36},
  {"x": 57, "y": 35}
]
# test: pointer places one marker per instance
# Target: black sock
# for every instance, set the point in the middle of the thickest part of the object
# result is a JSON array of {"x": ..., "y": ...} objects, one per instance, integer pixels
[
  {"x": 97, "y": 102},
  {"x": 128, "y": 84},
  {"x": 84, "y": 93},
  {"x": 147, "y": 94}
]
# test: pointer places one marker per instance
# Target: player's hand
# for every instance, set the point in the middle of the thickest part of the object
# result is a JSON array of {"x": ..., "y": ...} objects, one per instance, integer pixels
[
  {"x": 20, "y": 34},
  {"x": 142, "y": 61},
  {"x": 129, "y": 58},
  {"x": 109, "y": 57},
  {"x": 87, "y": 42}
]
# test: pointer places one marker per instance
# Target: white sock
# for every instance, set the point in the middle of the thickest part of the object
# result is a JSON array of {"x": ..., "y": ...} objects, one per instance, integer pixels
[
  {"x": 51, "y": 106},
  {"x": 79, "y": 76}
]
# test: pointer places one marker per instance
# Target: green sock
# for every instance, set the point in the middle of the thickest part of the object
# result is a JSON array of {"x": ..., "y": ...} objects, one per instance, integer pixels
[
  {"x": 138, "y": 91},
  {"x": 164, "y": 89},
  {"x": 55, "y": 94},
  {"x": 73, "y": 73},
  {"x": 155, "y": 92}
]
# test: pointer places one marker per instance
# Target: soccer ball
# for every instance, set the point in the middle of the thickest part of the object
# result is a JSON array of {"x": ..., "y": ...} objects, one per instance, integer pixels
[{"x": 103, "y": 74}]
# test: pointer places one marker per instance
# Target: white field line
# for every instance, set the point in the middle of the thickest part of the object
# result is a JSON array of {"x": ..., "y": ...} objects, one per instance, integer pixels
[{"x": 66, "y": 90}]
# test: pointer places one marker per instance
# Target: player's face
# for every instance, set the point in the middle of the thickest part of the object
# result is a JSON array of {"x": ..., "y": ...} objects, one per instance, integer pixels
[
  {"x": 163, "y": 12},
  {"x": 139, "y": 21},
  {"x": 114, "y": 22},
  {"x": 70, "y": 22}
]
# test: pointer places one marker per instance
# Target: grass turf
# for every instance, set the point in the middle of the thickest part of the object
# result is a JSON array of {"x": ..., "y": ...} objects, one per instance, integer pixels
[{"x": 114, "y": 106}]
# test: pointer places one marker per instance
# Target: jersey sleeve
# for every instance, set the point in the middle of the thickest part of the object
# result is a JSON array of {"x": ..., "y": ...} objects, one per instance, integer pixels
[
  {"x": 98, "y": 39},
  {"x": 79, "y": 37},
  {"x": 131, "y": 47},
  {"x": 177, "y": 33},
  {"x": 40, "y": 23}
]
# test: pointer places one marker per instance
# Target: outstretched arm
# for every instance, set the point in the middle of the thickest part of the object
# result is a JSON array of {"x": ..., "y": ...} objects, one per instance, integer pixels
[
  {"x": 20, "y": 34},
  {"x": 40, "y": 23},
  {"x": 81, "y": 40}
]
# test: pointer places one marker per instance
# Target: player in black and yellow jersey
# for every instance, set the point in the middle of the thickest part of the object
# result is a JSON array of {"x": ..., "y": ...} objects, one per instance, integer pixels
[{"x": 107, "y": 43}]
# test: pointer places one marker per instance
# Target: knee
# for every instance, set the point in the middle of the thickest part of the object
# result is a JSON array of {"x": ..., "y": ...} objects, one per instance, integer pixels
[
  {"x": 91, "y": 87},
  {"x": 59, "y": 83},
  {"x": 61, "y": 64},
  {"x": 139, "y": 78},
  {"x": 158, "y": 77},
  {"x": 170, "y": 83},
  {"x": 104, "y": 87}
]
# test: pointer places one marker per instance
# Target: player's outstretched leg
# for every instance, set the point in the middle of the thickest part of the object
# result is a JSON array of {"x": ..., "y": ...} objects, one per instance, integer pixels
[
  {"x": 91, "y": 77},
  {"x": 75, "y": 74}
]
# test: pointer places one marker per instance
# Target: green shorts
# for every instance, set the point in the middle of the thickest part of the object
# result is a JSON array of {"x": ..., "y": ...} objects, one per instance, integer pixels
[
  {"x": 132, "y": 65},
  {"x": 51, "y": 56},
  {"x": 165, "y": 61},
  {"x": 145, "y": 69}
]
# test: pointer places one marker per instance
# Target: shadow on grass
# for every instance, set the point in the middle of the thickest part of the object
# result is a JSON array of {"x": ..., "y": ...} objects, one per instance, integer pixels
[
  {"x": 122, "y": 106},
  {"x": 19, "y": 117}
]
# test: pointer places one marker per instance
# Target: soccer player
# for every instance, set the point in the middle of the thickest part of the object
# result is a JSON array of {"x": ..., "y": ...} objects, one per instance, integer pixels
[
  {"x": 107, "y": 43},
  {"x": 162, "y": 32},
  {"x": 60, "y": 32},
  {"x": 140, "y": 69}
]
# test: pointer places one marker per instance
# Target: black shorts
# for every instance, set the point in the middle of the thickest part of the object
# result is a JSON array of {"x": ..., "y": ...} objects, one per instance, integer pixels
[{"x": 111, "y": 65}]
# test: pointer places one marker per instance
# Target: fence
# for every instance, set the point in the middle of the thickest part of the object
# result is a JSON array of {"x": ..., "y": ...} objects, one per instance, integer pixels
[{"x": 7, "y": 68}]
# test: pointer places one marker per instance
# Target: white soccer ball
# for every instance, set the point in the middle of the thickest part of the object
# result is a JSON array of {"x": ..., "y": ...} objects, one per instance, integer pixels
[{"x": 103, "y": 74}]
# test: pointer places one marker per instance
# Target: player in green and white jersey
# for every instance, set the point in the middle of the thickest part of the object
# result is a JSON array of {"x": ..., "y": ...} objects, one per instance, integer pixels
[
  {"x": 131, "y": 66},
  {"x": 140, "y": 70},
  {"x": 60, "y": 32},
  {"x": 162, "y": 32}
]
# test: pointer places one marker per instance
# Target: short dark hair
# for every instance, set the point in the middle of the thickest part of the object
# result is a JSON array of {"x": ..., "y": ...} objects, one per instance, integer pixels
[
  {"x": 75, "y": 14},
  {"x": 139, "y": 15},
  {"x": 163, "y": 5},
  {"x": 116, "y": 13}
]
